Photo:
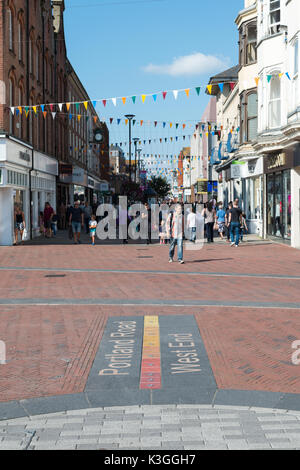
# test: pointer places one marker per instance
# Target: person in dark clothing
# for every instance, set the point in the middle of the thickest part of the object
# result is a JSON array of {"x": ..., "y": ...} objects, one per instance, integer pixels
[
  {"x": 235, "y": 221},
  {"x": 227, "y": 224},
  {"x": 77, "y": 221},
  {"x": 209, "y": 215}
]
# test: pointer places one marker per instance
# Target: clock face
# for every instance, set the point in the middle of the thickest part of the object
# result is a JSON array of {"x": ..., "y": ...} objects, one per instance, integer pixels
[{"x": 98, "y": 137}]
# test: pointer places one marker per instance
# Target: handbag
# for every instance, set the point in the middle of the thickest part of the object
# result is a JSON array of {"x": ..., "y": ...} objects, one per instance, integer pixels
[{"x": 25, "y": 235}]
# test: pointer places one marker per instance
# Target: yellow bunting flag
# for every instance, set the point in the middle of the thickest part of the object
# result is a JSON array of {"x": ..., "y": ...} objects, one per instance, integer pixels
[
  {"x": 68, "y": 106},
  {"x": 124, "y": 100},
  {"x": 34, "y": 109},
  {"x": 171, "y": 124},
  {"x": 187, "y": 91},
  {"x": 85, "y": 105},
  {"x": 209, "y": 88},
  {"x": 280, "y": 75},
  {"x": 256, "y": 80},
  {"x": 20, "y": 109},
  {"x": 143, "y": 98},
  {"x": 79, "y": 117}
]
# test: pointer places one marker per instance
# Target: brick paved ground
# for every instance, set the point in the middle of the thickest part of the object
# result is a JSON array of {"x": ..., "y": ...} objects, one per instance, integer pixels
[{"x": 245, "y": 301}]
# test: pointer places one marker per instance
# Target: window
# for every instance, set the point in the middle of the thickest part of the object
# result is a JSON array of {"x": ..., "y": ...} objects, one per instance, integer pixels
[
  {"x": 20, "y": 42},
  {"x": 10, "y": 30},
  {"x": 249, "y": 117},
  {"x": 274, "y": 16},
  {"x": 296, "y": 57},
  {"x": 252, "y": 117},
  {"x": 251, "y": 53},
  {"x": 11, "y": 103},
  {"x": 275, "y": 102}
]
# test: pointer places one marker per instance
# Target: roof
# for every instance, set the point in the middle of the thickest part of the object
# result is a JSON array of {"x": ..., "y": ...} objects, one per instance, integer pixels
[{"x": 229, "y": 75}]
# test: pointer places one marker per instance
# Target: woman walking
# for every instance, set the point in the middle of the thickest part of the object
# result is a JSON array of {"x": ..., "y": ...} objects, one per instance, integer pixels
[
  {"x": 20, "y": 224},
  {"x": 209, "y": 214}
]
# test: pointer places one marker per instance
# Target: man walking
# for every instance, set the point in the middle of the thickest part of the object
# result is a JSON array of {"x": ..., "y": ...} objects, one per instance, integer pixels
[
  {"x": 235, "y": 222},
  {"x": 76, "y": 219},
  {"x": 87, "y": 216},
  {"x": 175, "y": 227}
]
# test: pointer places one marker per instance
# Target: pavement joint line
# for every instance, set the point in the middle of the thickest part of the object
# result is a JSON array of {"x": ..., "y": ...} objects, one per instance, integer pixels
[
  {"x": 175, "y": 273},
  {"x": 150, "y": 303}
]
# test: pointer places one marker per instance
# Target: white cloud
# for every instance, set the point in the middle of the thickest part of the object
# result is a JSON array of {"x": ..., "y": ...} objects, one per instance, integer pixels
[{"x": 193, "y": 64}]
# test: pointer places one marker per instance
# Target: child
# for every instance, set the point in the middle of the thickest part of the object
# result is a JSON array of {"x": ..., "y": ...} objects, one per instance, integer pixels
[
  {"x": 41, "y": 224},
  {"x": 54, "y": 224},
  {"x": 93, "y": 226},
  {"x": 243, "y": 226}
]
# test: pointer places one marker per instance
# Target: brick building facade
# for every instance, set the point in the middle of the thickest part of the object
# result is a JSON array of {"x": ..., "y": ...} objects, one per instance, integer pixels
[{"x": 35, "y": 141}]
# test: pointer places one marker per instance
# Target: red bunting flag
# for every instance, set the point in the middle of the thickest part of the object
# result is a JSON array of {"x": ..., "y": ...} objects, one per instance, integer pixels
[{"x": 164, "y": 93}]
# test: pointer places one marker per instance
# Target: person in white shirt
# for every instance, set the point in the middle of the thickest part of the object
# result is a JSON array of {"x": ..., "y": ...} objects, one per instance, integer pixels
[{"x": 192, "y": 225}]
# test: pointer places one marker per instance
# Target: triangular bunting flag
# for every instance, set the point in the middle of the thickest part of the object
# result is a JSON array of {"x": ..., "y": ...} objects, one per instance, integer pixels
[
  {"x": 143, "y": 98},
  {"x": 221, "y": 86},
  {"x": 209, "y": 88},
  {"x": 164, "y": 93},
  {"x": 269, "y": 78},
  {"x": 288, "y": 76},
  {"x": 68, "y": 106},
  {"x": 133, "y": 99},
  {"x": 124, "y": 100},
  {"x": 198, "y": 89},
  {"x": 154, "y": 97},
  {"x": 85, "y": 105},
  {"x": 257, "y": 80},
  {"x": 187, "y": 92},
  {"x": 104, "y": 103},
  {"x": 53, "y": 115},
  {"x": 114, "y": 100},
  {"x": 45, "y": 114},
  {"x": 175, "y": 93}
]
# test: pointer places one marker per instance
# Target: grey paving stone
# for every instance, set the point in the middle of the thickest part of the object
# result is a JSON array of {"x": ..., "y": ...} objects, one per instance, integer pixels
[
  {"x": 89, "y": 447},
  {"x": 151, "y": 432},
  {"x": 72, "y": 427}
]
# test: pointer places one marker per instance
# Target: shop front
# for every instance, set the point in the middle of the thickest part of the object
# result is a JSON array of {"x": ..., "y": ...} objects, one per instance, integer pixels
[
  {"x": 15, "y": 165},
  {"x": 43, "y": 187},
  {"x": 282, "y": 201},
  {"x": 253, "y": 194}
]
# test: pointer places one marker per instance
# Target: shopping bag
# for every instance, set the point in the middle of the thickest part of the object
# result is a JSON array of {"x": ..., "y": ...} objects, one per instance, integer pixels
[{"x": 25, "y": 235}]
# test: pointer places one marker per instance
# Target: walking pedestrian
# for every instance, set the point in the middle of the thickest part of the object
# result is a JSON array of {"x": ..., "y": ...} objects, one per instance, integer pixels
[
  {"x": 54, "y": 221},
  {"x": 227, "y": 225},
  {"x": 76, "y": 220},
  {"x": 209, "y": 214},
  {"x": 20, "y": 224},
  {"x": 175, "y": 227},
  {"x": 192, "y": 225},
  {"x": 235, "y": 221},
  {"x": 48, "y": 215},
  {"x": 148, "y": 208},
  {"x": 244, "y": 226},
  {"x": 93, "y": 227},
  {"x": 220, "y": 219},
  {"x": 87, "y": 216}
]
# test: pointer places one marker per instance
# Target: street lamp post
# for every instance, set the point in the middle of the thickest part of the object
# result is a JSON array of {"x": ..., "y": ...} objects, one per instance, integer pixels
[
  {"x": 130, "y": 117},
  {"x": 135, "y": 140}
]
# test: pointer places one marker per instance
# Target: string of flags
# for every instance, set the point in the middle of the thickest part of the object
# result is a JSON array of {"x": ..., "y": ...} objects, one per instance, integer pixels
[{"x": 55, "y": 108}]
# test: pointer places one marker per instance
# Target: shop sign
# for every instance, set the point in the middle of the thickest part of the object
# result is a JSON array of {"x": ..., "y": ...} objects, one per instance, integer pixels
[
  {"x": 276, "y": 161},
  {"x": 279, "y": 162},
  {"x": 202, "y": 186},
  {"x": 65, "y": 169}
]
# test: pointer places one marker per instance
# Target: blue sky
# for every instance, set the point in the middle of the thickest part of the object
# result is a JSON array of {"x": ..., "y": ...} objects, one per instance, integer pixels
[{"x": 131, "y": 47}]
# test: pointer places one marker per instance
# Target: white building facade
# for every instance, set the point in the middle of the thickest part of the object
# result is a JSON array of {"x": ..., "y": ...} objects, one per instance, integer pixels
[{"x": 279, "y": 116}]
